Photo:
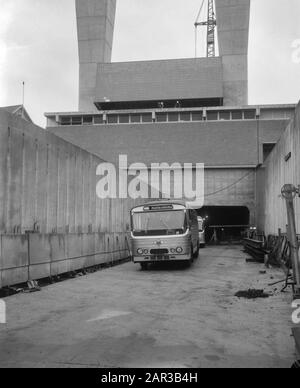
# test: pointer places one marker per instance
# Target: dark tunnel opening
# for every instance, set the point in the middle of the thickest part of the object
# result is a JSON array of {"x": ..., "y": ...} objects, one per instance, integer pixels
[{"x": 225, "y": 223}]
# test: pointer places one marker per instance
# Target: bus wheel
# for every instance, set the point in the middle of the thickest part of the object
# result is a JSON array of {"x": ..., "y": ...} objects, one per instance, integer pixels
[
  {"x": 196, "y": 255},
  {"x": 144, "y": 266},
  {"x": 192, "y": 256}
]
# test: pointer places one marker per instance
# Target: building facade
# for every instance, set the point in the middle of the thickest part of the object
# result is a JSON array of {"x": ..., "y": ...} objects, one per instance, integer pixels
[{"x": 186, "y": 110}]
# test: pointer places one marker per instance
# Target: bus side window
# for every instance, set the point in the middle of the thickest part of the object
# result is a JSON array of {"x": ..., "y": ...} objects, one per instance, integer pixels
[
  {"x": 194, "y": 216},
  {"x": 189, "y": 217}
]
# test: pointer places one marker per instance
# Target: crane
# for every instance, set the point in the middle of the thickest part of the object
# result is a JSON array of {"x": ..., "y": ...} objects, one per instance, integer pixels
[{"x": 211, "y": 24}]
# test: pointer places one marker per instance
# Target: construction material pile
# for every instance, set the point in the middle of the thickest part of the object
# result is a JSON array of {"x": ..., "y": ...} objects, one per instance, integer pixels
[
  {"x": 274, "y": 251},
  {"x": 252, "y": 294}
]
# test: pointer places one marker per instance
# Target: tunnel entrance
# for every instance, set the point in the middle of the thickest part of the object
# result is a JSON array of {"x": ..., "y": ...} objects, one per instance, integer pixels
[{"x": 225, "y": 224}]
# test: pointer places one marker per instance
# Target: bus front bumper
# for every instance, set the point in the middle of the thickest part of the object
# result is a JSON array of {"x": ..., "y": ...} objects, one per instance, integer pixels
[{"x": 160, "y": 258}]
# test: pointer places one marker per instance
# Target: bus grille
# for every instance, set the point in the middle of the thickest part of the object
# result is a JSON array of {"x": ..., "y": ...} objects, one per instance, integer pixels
[{"x": 159, "y": 251}]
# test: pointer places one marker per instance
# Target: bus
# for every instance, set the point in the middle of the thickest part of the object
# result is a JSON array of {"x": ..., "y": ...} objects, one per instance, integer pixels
[
  {"x": 164, "y": 232},
  {"x": 201, "y": 227}
]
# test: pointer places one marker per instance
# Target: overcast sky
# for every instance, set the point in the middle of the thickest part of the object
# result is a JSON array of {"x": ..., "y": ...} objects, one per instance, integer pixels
[{"x": 38, "y": 45}]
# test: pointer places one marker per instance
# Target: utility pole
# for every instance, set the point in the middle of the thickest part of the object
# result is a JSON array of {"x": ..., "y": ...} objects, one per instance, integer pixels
[{"x": 289, "y": 192}]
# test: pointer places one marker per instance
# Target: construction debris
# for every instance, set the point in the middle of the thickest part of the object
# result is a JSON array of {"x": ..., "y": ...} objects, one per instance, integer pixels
[
  {"x": 32, "y": 286},
  {"x": 279, "y": 253},
  {"x": 256, "y": 249},
  {"x": 296, "y": 334},
  {"x": 296, "y": 365},
  {"x": 252, "y": 294},
  {"x": 274, "y": 251}
]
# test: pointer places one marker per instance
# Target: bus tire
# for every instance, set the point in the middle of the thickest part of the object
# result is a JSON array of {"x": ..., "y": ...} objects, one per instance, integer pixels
[
  {"x": 192, "y": 256},
  {"x": 144, "y": 266},
  {"x": 196, "y": 255}
]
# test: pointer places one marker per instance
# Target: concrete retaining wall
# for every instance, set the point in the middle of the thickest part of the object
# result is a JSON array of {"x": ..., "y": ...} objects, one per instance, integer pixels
[
  {"x": 276, "y": 172},
  {"x": 51, "y": 220},
  {"x": 37, "y": 256},
  {"x": 48, "y": 185}
]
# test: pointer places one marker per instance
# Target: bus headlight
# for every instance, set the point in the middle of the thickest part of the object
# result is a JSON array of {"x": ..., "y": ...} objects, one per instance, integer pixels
[
  {"x": 140, "y": 251},
  {"x": 179, "y": 250},
  {"x": 173, "y": 250},
  {"x": 145, "y": 251}
]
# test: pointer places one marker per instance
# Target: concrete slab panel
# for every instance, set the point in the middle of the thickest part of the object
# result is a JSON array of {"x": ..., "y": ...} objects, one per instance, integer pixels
[
  {"x": 91, "y": 52},
  {"x": 88, "y": 249},
  {"x": 233, "y": 20},
  {"x": 108, "y": 247},
  {"x": 235, "y": 68},
  {"x": 14, "y": 276},
  {"x": 234, "y": 42},
  {"x": 39, "y": 271},
  {"x": 3, "y": 168},
  {"x": 231, "y": 3},
  {"x": 29, "y": 189},
  {"x": 58, "y": 268},
  {"x": 77, "y": 264},
  {"x": 236, "y": 93},
  {"x": 14, "y": 251},
  {"x": 100, "y": 247},
  {"x": 58, "y": 247},
  {"x": 74, "y": 246},
  {"x": 152, "y": 80},
  {"x": 14, "y": 182},
  {"x": 90, "y": 28},
  {"x": 91, "y": 7},
  {"x": 187, "y": 143},
  {"x": 74, "y": 251},
  {"x": 39, "y": 249}
]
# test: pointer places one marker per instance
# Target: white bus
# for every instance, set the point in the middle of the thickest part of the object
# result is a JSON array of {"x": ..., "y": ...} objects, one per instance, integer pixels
[{"x": 164, "y": 231}]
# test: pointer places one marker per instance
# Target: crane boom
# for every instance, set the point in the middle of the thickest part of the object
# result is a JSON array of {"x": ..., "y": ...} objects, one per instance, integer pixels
[{"x": 211, "y": 24}]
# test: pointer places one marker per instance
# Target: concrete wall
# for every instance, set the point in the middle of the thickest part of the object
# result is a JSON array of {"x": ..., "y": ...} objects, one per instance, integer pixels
[
  {"x": 233, "y": 17},
  {"x": 226, "y": 76},
  {"x": 231, "y": 150},
  {"x": 95, "y": 26},
  {"x": 160, "y": 80},
  {"x": 215, "y": 143},
  {"x": 50, "y": 217},
  {"x": 275, "y": 173},
  {"x": 37, "y": 256},
  {"x": 226, "y": 148},
  {"x": 231, "y": 187}
]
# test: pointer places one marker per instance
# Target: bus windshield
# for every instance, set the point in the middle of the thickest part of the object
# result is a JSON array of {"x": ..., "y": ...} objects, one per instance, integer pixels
[{"x": 159, "y": 223}]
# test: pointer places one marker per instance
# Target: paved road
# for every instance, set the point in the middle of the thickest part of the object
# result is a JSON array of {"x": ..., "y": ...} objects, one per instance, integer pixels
[{"x": 164, "y": 317}]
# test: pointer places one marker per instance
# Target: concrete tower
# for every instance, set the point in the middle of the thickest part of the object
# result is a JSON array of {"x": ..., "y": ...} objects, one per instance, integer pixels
[
  {"x": 224, "y": 78},
  {"x": 95, "y": 26},
  {"x": 233, "y": 18}
]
